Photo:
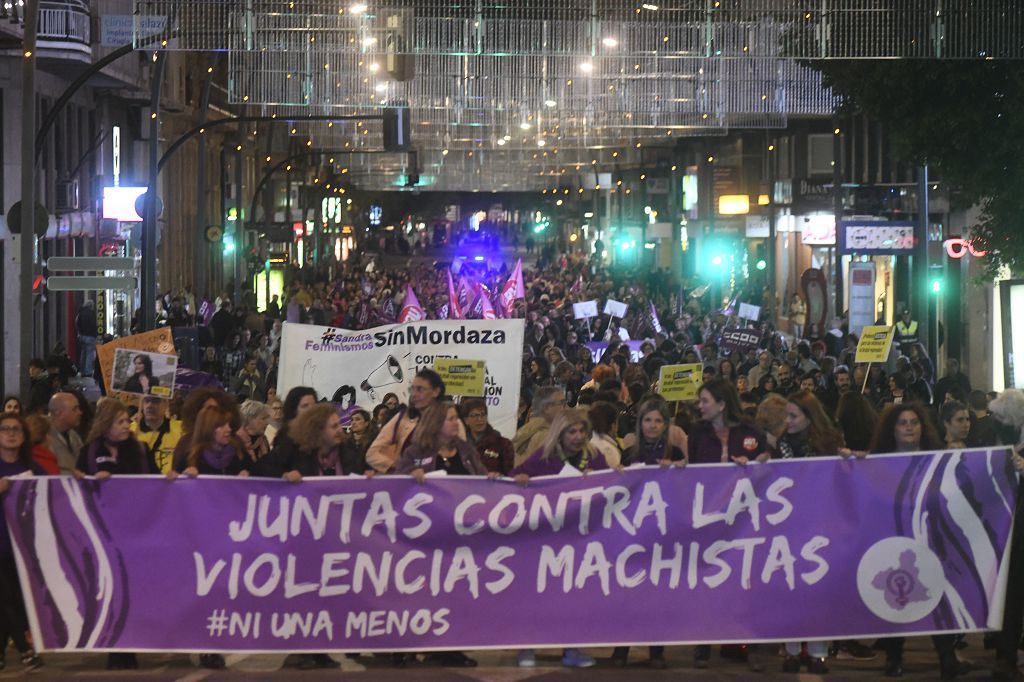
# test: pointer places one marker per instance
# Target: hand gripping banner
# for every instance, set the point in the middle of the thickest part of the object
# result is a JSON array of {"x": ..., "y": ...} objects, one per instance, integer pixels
[{"x": 787, "y": 550}]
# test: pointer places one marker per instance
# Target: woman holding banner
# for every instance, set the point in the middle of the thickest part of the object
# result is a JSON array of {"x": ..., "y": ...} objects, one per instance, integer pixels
[
  {"x": 652, "y": 444},
  {"x": 111, "y": 448},
  {"x": 435, "y": 445},
  {"x": 907, "y": 427},
  {"x": 808, "y": 433},
  {"x": 314, "y": 447},
  {"x": 214, "y": 450},
  {"x": 566, "y": 445},
  {"x": 722, "y": 436},
  {"x": 15, "y": 460}
]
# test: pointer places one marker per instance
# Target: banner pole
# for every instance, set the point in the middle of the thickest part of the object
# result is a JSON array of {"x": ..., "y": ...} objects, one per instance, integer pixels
[{"x": 867, "y": 373}]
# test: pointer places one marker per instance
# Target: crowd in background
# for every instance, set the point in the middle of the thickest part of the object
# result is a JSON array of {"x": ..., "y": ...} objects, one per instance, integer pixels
[{"x": 589, "y": 400}]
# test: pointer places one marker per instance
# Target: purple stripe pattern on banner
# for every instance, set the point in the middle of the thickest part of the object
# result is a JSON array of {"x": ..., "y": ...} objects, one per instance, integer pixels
[{"x": 788, "y": 550}]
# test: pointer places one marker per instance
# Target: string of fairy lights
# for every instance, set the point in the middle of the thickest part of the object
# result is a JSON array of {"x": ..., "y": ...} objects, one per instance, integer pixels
[{"x": 508, "y": 95}]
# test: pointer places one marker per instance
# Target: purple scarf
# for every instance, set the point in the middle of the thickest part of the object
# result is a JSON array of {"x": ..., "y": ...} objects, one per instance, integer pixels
[
  {"x": 330, "y": 461},
  {"x": 219, "y": 456}
]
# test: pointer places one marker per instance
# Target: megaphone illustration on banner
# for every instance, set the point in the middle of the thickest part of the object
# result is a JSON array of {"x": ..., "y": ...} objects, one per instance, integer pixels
[{"x": 389, "y": 372}]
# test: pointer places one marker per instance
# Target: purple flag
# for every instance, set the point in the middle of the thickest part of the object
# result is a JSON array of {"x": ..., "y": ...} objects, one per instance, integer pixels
[
  {"x": 206, "y": 312},
  {"x": 897, "y": 544}
]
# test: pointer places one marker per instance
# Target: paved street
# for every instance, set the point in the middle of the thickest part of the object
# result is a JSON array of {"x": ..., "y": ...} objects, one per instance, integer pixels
[{"x": 497, "y": 666}]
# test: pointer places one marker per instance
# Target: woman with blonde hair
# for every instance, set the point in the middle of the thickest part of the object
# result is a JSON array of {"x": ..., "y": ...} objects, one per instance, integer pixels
[
  {"x": 252, "y": 434},
  {"x": 567, "y": 443}
]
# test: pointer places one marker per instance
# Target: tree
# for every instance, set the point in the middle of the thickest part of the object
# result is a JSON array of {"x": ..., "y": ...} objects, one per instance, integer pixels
[{"x": 963, "y": 119}]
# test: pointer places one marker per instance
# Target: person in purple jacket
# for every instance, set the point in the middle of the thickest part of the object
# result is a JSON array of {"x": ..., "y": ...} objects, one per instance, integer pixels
[{"x": 568, "y": 442}]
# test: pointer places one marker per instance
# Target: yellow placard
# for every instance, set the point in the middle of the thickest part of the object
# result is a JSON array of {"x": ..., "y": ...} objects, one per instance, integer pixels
[
  {"x": 680, "y": 382},
  {"x": 462, "y": 377},
  {"x": 875, "y": 343}
]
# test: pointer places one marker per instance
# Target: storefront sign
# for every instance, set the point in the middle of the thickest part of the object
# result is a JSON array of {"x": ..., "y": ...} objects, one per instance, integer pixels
[
  {"x": 877, "y": 238},
  {"x": 958, "y": 248},
  {"x": 862, "y": 296}
]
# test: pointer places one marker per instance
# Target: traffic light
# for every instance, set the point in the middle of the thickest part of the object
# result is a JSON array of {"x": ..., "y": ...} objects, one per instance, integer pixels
[
  {"x": 715, "y": 258},
  {"x": 229, "y": 244},
  {"x": 936, "y": 284},
  {"x": 761, "y": 256}
]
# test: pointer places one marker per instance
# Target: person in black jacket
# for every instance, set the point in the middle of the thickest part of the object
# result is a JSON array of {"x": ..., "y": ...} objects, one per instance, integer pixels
[
  {"x": 314, "y": 447},
  {"x": 652, "y": 444},
  {"x": 111, "y": 449}
]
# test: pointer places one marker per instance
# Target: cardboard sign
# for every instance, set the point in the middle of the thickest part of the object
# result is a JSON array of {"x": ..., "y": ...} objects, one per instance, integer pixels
[
  {"x": 156, "y": 341},
  {"x": 615, "y": 308},
  {"x": 462, "y": 377},
  {"x": 680, "y": 382},
  {"x": 875, "y": 343},
  {"x": 584, "y": 309}
]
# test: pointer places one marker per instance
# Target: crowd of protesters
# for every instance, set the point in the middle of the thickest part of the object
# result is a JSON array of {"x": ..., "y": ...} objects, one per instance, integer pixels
[{"x": 589, "y": 401}]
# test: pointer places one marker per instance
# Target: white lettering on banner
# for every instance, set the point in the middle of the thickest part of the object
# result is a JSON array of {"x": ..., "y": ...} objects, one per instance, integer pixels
[
  {"x": 358, "y": 368},
  {"x": 773, "y": 559}
]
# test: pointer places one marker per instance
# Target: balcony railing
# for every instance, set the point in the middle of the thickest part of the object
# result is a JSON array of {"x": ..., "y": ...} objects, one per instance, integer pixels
[{"x": 59, "y": 20}]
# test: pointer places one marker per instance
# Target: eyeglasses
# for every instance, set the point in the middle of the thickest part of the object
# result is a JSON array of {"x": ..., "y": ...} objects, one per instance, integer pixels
[
  {"x": 10, "y": 429},
  {"x": 476, "y": 415}
]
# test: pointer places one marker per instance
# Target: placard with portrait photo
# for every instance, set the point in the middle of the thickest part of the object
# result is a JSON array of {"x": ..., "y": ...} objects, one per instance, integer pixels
[{"x": 144, "y": 373}]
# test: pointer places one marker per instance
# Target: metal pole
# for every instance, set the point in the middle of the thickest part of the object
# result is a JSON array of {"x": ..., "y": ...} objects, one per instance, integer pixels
[
  {"x": 149, "y": 225},
  {"x": 837, "y": 209},
  {"x": 28, "y": 194},
  {"x": 239, "y": 227},
  {"x": 202, "y": 249},
  {"x": 773, "y": 284},
  {"x": 921, "y": 297}
]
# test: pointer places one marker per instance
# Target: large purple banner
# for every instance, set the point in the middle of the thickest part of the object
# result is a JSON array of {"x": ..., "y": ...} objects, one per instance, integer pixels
[{"x": 787, "y": 550}]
